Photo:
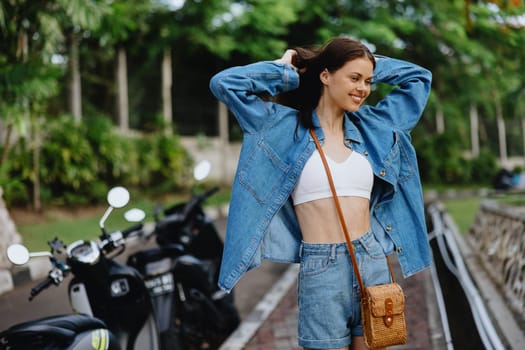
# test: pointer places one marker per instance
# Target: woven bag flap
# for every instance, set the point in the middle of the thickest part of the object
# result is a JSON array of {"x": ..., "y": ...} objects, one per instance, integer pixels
[{"x": 386, "y": 295}]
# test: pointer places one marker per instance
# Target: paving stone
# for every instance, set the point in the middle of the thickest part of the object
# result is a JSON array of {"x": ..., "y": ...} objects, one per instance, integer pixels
[{"x": 279, "y": 330}]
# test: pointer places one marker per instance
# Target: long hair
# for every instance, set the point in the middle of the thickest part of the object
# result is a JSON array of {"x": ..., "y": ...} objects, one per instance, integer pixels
[{"x": 311, "y": 62}]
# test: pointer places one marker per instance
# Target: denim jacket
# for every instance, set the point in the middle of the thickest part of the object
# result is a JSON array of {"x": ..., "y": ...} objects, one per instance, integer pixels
[{"x": 262, "y": 222}]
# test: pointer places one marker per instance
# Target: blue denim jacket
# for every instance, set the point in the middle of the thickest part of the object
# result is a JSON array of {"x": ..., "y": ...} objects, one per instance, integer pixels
[{"x": 262, "y": 222}]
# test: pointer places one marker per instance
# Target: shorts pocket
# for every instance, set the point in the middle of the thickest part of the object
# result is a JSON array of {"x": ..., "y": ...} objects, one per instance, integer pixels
[
  {"x": 314, "y": 264},
  {"x": 373, "y": 248}
]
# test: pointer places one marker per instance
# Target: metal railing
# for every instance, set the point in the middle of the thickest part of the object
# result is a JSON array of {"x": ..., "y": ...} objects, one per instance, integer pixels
[{"x": 445, "y": 237}]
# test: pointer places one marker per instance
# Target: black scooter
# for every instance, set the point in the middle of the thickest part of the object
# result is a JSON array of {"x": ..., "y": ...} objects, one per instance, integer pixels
[
  {"x": 103, "y": 287},
  {"x": 182, "y": 272},
  {"x": 64, "y": 332},
  {"x": 61, "y": 332}
]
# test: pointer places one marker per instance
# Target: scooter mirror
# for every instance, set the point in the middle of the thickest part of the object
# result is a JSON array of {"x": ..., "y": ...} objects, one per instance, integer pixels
[
  {"x": 135, "y": 215},
  {"x": 18, "y": 254},
  {"x": 202, "y": 170},
  {"x": 118, "y": 197}
]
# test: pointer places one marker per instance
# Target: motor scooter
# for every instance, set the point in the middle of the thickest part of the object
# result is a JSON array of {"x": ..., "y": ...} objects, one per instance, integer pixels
[
  {"x": 60, "y": 332},
  {"x": 181, "y": 274},
  {"x": 101, "y": 286}
]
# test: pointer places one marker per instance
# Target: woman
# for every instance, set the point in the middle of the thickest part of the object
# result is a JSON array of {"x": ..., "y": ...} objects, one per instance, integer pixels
[{"x": 282, "y": 208}]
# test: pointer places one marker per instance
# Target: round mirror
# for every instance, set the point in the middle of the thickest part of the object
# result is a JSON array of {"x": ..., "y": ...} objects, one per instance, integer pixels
[
  {"x": 118, "y": 197},
  {"x": 135, "y": 215},
  {"x": 18, "y": 254},
  {"x": 202, "y": 170}
]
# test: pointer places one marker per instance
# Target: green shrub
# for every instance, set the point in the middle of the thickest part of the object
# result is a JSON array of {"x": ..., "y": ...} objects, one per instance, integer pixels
[
  {"x": 175, "y": 162},
  {"x": 440, "y": 160},
  {"x": 484, "y": 167},
  {"x": 68, "y": 162},
  {"x": 114, "y": 154},
  {"x": 79, "y": 162}
]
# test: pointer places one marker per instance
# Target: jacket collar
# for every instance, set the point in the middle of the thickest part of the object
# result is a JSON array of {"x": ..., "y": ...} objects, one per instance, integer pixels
[{"x": 351, "y": 132}]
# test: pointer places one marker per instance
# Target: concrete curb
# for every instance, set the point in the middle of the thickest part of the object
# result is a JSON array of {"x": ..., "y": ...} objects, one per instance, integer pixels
[
  {"x": 19, "y": 275},
  {"x": 243, "y": 334}
]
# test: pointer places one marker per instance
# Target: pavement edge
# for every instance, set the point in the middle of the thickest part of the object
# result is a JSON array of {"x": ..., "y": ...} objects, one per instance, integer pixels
[{"x": 246, "y": 330}]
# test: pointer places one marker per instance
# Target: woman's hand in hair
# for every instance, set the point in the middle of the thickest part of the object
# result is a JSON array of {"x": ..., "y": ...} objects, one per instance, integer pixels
[{"x": 288, "y": 57}]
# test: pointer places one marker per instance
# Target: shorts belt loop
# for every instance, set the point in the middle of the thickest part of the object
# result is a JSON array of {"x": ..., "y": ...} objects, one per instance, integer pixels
[
  {"x": 333, "y": 252},
  {"x": 301, "y": 247}
]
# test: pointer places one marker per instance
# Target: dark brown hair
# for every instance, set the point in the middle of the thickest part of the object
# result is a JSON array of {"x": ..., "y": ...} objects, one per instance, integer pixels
[{"x": 311, "y": 62}]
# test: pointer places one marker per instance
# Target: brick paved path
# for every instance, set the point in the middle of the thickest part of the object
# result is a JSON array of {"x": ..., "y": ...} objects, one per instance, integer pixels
[{"x": 279, "y": 330}]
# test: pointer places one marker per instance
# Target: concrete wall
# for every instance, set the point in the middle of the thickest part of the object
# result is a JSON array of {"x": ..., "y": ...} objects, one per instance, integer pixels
[
  {"x": 497, "y": 236},
  {"x": 223, "y": 157}
]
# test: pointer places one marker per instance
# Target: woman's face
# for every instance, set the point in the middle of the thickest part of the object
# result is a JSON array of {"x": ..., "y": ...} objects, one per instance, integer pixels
[{"x": 349, "y": 86}]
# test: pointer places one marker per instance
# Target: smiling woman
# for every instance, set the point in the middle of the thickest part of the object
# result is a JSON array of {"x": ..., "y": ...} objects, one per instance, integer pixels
[{"x": 282, "y": 208}]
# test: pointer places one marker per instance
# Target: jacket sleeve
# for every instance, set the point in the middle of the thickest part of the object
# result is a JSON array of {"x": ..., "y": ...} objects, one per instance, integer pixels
[
  {"x": 403, "y": 106},
  {"x": 240, "y": 89}
]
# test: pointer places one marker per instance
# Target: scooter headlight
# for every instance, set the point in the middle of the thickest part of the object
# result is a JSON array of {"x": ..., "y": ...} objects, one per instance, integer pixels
[{"x": 85, "y": 252}]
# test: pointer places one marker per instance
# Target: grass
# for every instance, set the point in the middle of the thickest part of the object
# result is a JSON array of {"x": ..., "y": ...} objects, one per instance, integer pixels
[
  {"x": 463, "y": 211},
  {"x": 84, "y": 224}
]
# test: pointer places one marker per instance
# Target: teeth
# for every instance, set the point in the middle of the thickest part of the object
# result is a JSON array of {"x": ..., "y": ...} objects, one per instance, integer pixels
[{"x": 356, "y": 99}]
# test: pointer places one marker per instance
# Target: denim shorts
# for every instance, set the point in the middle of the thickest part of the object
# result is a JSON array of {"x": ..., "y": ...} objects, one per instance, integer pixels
[{"x": 328, "y": 291}]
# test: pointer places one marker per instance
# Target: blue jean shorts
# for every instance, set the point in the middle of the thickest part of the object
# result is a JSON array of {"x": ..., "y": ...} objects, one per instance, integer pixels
[{"x": 328, "y": 291}]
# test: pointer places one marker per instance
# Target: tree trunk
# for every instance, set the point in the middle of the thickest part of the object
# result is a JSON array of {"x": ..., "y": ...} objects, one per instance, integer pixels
[
  {"x": 167, "y": 83},
  {"x": 440, "y": 120},
  {"x": 35, "y": 132},
  {"x": 474, "y": 130},
  {"x": 501, "y": 134},
  {"x": 122, "y": 88},
  {"x": 75, "y": 82},
  {"x": 7, "y": 143},
  {"x": 523, "y": 135}
]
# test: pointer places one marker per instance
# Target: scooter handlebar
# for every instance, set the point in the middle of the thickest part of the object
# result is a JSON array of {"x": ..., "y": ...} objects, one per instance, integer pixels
[
  {"x": 130, "y": 230},
  {"x": 185, "y": 209},
  {"x": 40, "y": 287},
  {"x": 211, "y": 192},
  {"x": 196, "y": 201}
]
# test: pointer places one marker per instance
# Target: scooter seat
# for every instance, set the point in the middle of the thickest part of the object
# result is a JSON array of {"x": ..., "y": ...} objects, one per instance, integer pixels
[
  {"x": 142, "y": 257},
  {"x": 61, "y": 328}
]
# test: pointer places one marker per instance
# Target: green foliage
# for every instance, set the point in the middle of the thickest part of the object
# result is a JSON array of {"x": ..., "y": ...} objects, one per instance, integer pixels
[
  {"x": 68, "y": 161},
  {"x": 79, "y": 162},
  {"x": 14, "y": 186},
  {"x": 19, "y": 167},
  {"x": 474, "y": 50},
  {"x": 115, "y": 154},
  {"x": 442, "y": 162},
  {"x": 484, "y": 167},
  {"x": 175, "y": 162}
]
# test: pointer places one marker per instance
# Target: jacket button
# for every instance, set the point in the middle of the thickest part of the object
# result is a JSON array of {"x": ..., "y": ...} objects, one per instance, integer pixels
[
  {"x": 399, "y": 250},
  {"x": 382, "y": 173},
  {"x": 365, "y": 153},
  {"x": 389, "y": 228}
]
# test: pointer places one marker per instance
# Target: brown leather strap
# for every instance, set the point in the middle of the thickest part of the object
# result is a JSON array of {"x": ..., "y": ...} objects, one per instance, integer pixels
[{"x": 342, "y": 219}]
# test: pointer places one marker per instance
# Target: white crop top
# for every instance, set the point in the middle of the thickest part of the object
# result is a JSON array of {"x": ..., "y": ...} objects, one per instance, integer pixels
[{"x": 353, "y": 177}]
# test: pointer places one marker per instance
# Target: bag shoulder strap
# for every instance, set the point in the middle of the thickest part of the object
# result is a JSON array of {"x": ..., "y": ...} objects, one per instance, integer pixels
[{"x": 342, "y": 219}]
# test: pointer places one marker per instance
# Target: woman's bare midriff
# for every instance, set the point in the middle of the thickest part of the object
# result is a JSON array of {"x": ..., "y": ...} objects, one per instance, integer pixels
[{"x": 320, "y": 224}]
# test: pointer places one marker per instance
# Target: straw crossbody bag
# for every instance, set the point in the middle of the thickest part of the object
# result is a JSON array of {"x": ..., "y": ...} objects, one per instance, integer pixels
[{"x": 382, "y": 306}]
